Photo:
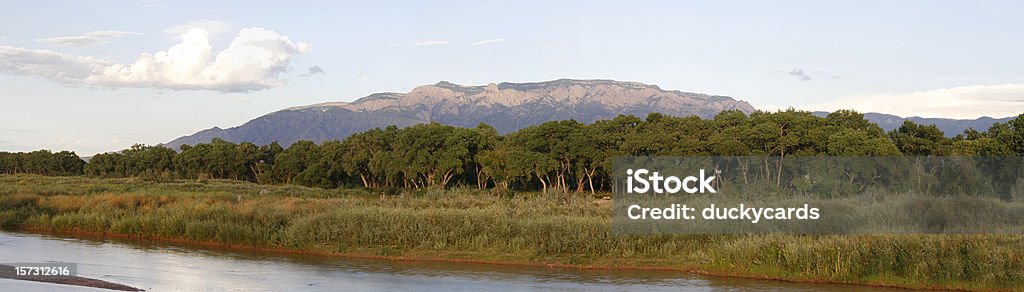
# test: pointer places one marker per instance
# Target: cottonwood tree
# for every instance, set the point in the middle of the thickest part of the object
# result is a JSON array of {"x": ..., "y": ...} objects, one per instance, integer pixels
[{"x": 563, "y": 156}]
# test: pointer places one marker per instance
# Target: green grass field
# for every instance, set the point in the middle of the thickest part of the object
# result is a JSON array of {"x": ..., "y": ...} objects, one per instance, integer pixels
[{"x": 532, "y": 228}]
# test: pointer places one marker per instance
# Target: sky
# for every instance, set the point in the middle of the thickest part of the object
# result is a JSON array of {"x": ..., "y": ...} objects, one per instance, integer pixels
[{"x": 99, "y": 76}]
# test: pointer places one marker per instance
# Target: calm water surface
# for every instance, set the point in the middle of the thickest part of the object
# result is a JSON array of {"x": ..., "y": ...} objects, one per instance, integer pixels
[{"x": 161, "y": 267}]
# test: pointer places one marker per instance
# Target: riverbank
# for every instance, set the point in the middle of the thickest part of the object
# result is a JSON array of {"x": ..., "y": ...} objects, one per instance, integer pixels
[
  {"x": 563, "y": 230},
  {"x": 202, "y": 268},
  {"x": 440, "y": 258},
  {"x": 434, "y": 258}
]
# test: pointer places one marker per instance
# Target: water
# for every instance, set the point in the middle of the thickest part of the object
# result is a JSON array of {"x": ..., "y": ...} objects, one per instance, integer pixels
[{"x": 161, "y": 267}]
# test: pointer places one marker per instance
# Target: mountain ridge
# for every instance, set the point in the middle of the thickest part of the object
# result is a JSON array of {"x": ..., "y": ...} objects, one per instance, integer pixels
[{"x": 506, "y": 106}]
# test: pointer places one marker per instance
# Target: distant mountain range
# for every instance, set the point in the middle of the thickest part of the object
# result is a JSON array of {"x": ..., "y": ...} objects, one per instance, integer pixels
[
  {"x": 505, "y": 106},
  {"x": 950, "y": 127}
]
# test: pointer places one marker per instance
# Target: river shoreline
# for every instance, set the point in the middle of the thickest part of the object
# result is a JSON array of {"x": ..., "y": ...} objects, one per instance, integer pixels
[
  {"x": 478, "y": 226},
  {"x": 418, "y": 258}
]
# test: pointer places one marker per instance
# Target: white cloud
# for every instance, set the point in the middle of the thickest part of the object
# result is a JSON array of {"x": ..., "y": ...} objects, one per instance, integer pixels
[
  {"x": 49, "y": 64},
  {"x": 487, "y": 42},
  {"x": 426, "y": 43},
  {"x": 89, "y": 38},
  {"x": 965, "y": 102},
  {"x": 212, "y": 27},
  {"x": 253, "y": 61}
]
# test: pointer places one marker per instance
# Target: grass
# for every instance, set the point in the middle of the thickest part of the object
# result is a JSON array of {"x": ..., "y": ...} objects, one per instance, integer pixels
[{"x": 564, "y": 229}]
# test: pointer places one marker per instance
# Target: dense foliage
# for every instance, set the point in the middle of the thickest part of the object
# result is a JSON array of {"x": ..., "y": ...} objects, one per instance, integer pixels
[
  {"x": 41, "y": 162},
  {"x": 561, "y": 155}
]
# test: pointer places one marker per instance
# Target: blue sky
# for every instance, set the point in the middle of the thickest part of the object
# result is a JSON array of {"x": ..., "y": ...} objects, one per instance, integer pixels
[{"x": 956, "y": 59}]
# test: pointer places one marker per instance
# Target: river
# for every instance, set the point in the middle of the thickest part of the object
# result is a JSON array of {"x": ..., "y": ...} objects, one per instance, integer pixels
[{"x": 163, "y": 267}]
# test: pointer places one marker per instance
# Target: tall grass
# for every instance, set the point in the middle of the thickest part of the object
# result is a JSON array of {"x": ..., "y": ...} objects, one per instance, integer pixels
[{"x": 464, "y": 223}]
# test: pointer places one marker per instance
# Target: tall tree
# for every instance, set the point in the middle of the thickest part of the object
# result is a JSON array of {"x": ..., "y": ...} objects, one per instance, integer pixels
[{"x": 920, "y": 140}]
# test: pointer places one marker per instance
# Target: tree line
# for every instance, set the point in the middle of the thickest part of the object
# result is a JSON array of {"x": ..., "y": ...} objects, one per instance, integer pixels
[
  {"x": 565, "y": 156},
  {"x": 41, "y": 162}
]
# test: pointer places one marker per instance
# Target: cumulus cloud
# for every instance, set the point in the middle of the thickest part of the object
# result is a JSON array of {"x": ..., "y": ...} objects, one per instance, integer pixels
[
  {"x": 427, "y": 43},
  {"x": 799, "y": 73},
  {"x": 486, "y": 42},
  {"x": 253, "y": 61},
  {"x": 313, "y": 71},
  {"x": 90, "y": 38},
  {"x": 965, "y": 102}
]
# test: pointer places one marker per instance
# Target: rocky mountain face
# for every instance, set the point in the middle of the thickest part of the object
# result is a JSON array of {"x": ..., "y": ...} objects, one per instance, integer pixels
[{"x": 505, "y": 106}]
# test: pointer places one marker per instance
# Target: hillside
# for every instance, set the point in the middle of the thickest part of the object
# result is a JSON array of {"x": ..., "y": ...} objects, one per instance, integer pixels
[{"x": 505, "y": 106}]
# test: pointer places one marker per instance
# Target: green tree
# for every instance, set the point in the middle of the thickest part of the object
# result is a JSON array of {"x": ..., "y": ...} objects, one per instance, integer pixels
[
  {"x": 920, "y": 140},
  {"x": 365, "y": 149},
  {"x": 432, "y": 154},
  {"x": 1010, "y": 134},
  {"x": 294, "y": 160}
]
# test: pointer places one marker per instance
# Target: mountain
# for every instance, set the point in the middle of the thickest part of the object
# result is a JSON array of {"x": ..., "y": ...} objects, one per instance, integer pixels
[
  {"x": 505, "y": 106},
  {"x": 949, "y": 127}
]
